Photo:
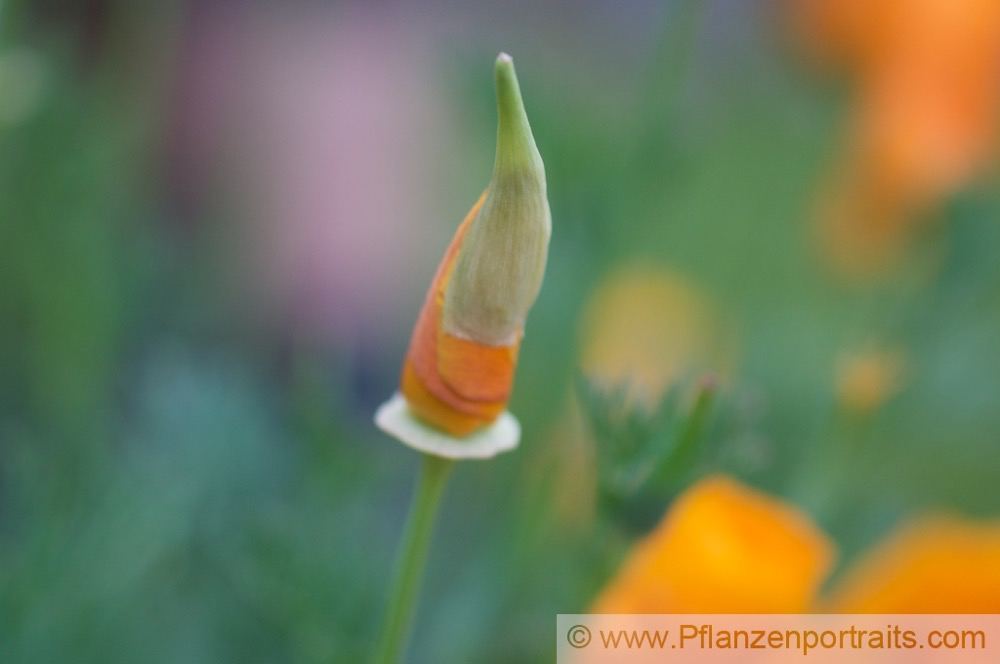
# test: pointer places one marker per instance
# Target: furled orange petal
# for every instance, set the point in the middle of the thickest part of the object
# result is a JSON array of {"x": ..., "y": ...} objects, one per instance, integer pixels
[
  {"x": 934, "y": 565},
  {"x": 455, "y": 384},
  {"x": 723, "y": 548},
  {"x": 479, "y": 373}
]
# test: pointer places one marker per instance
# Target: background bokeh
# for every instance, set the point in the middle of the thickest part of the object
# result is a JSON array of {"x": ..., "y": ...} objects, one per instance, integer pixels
[{"x": 218, "y": 219}]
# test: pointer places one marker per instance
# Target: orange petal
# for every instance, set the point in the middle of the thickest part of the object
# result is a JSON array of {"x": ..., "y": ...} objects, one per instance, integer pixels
[
  {"x": 722, "y": 548},
  {"x": 936, "y": 565},
  {"x": 454, "y": 384},
  {"x": 475, "y": 371}
]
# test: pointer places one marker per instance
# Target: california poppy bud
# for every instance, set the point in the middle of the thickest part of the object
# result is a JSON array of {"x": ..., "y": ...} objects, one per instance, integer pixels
[
  {"x": 459, "y": 369},
  {"x": 499, "y": 267}
]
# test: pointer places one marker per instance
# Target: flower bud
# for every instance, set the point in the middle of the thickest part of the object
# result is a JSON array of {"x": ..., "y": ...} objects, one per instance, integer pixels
[
  {"x": 498, "y": 271},
  {"x": 459, "y": 369}
]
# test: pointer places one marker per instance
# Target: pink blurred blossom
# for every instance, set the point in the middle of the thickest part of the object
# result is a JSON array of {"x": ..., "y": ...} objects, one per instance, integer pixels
[{"x": 327, "y": 129}]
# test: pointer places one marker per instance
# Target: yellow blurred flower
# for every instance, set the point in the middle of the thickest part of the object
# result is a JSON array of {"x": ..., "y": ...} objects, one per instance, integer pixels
[
  {"x": 865, "y": 380},
  {"x": 723, "y": 548},
  {"x": 726, "y": 548},
  {"x": 925, "y": 117},
  {"x": 644, "y": 328}
]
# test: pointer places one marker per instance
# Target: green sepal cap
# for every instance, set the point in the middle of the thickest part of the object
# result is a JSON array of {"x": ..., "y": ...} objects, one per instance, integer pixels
[{"x": 501, "y": 263}]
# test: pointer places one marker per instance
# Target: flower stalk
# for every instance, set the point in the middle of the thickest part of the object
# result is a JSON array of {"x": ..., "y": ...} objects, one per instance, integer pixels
[{"x": 413, "y": 558}]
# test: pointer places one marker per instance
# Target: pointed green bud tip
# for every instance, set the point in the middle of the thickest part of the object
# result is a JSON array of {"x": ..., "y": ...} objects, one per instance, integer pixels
[{"x": 500, "y": 265}]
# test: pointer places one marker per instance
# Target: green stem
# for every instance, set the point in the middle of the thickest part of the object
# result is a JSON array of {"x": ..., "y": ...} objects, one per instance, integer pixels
[{"x": 412, "y": 557}]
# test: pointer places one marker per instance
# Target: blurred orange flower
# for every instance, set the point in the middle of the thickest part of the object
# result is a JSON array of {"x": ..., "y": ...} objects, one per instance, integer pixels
[
  {"x": 938, "y": 564},
  {"x": 726, "y": 548},
  {"x": 723, "y": 548},
  {"x": 925, "y": 115}
]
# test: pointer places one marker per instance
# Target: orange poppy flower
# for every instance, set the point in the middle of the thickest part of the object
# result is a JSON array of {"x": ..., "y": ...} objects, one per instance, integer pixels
[
  {"x": 725, "y": 548},
  {"x": 926, "y": 113},
  {"x": 936, "y": 564},
  {"x": 722, "y": 548}
]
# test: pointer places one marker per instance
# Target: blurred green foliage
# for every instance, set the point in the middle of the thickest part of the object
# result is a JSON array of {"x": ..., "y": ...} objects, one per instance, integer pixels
[
  {"x": 645, "y": 453},
  {"x": 177, "y": 484}
]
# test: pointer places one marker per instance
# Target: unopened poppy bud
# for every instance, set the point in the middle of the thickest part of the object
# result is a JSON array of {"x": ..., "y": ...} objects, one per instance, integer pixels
[
  {"x": 499, "y": 268},
  {"x": 459, "y": 369}
]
